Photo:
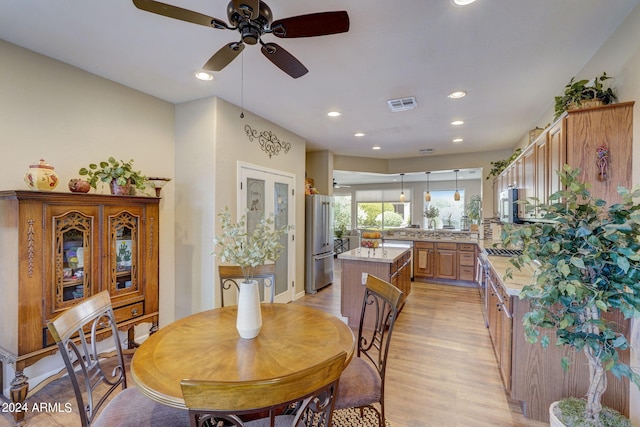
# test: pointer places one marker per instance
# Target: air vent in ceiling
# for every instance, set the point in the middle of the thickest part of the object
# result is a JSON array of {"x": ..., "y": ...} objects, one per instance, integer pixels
[
  {"x": 402, "y": 104},
  {"x": 426, "y": 151}
]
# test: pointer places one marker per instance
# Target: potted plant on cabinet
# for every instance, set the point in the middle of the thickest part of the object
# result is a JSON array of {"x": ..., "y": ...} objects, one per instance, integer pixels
[
  {"x": 587, "y": 263},
  {"x": 248, "y": 250},
  {"x": 120, "y": 175},
  {"x": 581, "y": 93}
]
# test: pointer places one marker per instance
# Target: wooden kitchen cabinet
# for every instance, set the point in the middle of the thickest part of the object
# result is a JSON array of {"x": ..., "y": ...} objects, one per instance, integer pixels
[
  {"x": 395, "y": 268},
  {"x": 500, "y": 326},
  {"x": 444, "y": 261},
  {"x": 59, "y": 249},
  {"x": 533, "y": 375},
  {"x": 423, "y": 260},
  {"x": 527, "y": 188},
  {"x": 574, "y": 139},
  {"x": 542, "y": 172},
  {"x": 446, "y": 257},
  {"x": 467, "y": 262}
]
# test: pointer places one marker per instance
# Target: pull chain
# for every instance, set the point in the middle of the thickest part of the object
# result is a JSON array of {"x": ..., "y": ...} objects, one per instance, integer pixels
[{"x": 242, "y": 86}]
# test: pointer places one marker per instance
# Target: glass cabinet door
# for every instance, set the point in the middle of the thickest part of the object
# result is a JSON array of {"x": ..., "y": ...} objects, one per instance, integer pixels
[
  {"x": 73, "y": 266},
  {"x": 123, "y": 271}
]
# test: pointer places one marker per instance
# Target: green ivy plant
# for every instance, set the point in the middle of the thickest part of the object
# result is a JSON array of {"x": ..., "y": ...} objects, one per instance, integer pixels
[
  {"x": 120, "y": 171},
  {"x": 248, "y": 250},
  {"x": 587, "y": 262},
  {"x": 498, "y": 166},
  {"x": 575, "y": 92}
]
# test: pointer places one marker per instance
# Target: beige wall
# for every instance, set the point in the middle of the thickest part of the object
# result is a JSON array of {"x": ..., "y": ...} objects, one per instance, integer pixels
[
  {"x": 210, "y": 141},
  {"x": 71, "y": 118}
]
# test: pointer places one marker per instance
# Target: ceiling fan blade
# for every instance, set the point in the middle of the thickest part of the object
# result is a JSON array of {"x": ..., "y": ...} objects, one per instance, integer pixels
[
  {"x": 284, "y": 60},
  {"x": 179, "y": 13},
  {"x": 224, "y": 56},
  {"x": 314, "y": 24},
  {"x": 248, "y": 8}
]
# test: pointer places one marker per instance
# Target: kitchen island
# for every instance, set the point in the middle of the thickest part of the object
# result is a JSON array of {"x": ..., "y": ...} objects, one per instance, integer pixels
[{"x": 392, "y": 264}]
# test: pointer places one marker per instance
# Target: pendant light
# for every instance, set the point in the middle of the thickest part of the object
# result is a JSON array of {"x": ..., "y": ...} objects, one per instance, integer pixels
[
  {"x": 402, "y": 197},
  {"x": 427, "y": 197},
  {"x": 456, "y": 195}
]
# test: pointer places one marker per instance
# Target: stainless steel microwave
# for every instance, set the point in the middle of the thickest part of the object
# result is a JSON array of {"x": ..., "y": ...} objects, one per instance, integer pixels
[{"x": 508, "y": 206}]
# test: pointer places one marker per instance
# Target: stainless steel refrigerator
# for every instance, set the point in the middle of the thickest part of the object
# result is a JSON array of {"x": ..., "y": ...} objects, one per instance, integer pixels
[{"x": 319, "y": 242}]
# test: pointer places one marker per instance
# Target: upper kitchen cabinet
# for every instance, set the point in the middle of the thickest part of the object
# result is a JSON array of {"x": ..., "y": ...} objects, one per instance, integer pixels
[
  {"x": 610, "y": 127},
  {"x": 597, "y": 140},
  {"x": 61, "y": 248}
]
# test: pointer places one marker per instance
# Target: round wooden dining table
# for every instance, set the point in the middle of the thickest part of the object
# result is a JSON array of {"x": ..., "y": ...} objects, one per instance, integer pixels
[{"x": 206, "y": 346}]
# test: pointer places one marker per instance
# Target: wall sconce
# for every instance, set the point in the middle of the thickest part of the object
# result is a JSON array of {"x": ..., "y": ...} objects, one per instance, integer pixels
[
  {"x": 158, "y": 183},
  {"x": 427, "y": 197},
  {"x": 402, "y": 197},
  {"x": 456, "y": 195}
]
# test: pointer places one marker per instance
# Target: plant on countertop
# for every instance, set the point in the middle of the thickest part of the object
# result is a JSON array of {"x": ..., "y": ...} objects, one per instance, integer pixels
[
  {"x": 575, "y": 93},
  {"x": 498, "y": 166},
  {"x": 473, "y": 207},
  {"x": 589, "y": 264},
  {"x": 248, "y": 250},
  {"x": 120, "y": 171},
  {"x": 431, "y": 212}
]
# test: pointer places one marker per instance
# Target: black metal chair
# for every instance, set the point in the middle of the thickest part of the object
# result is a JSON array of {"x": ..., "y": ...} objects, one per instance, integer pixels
[
  {"x": 305, "y": 398},
  {"x": 362, "y": 382},
  {"x": 231, "y": 275},
  {"x": 77, "y": 331}
]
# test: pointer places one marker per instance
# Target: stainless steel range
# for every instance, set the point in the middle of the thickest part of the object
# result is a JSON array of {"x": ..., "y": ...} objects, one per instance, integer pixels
[{"x": 503, "y": 252}]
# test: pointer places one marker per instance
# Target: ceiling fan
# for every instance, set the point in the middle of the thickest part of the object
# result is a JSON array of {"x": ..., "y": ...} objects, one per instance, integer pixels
[
  {"x": 252, "y": 19},
  {"x": 336, "y": 185}
]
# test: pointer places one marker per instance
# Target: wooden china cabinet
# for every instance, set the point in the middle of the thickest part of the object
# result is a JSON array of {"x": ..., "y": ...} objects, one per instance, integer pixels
[{"x": 60, "y": 248}]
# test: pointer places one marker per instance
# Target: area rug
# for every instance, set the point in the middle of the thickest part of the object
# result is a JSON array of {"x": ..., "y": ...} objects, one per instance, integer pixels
[{"x": 351, "y": 418}]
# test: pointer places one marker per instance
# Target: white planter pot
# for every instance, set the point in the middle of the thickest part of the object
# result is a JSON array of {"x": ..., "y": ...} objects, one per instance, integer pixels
[
  {"x": 553, "y": 420},
  {"x": 249, "y": 320}
]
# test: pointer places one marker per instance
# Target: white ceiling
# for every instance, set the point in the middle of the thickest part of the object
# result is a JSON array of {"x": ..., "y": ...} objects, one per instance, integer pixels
[{"x": 511, "y": 56}]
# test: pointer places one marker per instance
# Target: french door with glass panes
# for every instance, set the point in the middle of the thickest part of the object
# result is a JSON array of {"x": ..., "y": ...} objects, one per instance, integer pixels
[{"x": 262, "y": 192}]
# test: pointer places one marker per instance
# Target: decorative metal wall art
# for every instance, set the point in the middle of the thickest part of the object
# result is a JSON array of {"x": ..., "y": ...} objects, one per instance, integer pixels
[
  {"x": 602, "y": 162},
  {"x": 269, "y": 142}
]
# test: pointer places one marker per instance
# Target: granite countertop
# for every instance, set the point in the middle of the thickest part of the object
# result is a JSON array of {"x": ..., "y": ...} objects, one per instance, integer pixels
[
  {"x": 381, "y": 254},
  {"x": 520, "y": 278}
]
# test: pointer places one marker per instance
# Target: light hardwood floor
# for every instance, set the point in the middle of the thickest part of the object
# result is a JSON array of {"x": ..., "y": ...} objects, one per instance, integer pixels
[{"x": 441, "y": 372}]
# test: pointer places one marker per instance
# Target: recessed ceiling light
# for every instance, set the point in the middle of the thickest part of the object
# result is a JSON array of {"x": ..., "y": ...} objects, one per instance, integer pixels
[
  {"x": 334, "y": 113},
  {"x": 203, "y": 75},
  {"x": 457, "y": 140},
  {"x": 457, "y": 123},
  {"x": 376, "y": 147},
  {"x": 359, "y": 134},
  {"x": 462, "y": 2},
  {"x": 457, "y": 94}
]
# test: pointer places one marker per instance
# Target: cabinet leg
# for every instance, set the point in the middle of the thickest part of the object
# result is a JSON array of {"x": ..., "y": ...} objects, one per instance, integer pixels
[
  {"x": 19, "y": 389},
  {"x": 131, "y": 339}
]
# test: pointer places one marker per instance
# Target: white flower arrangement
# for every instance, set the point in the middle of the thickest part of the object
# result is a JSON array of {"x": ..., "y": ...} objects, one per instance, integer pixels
[{"x": 238, "y": 247}]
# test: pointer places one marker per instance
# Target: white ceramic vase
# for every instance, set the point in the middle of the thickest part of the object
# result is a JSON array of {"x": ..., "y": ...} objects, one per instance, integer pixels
[{"x": 249, "y": 320}]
